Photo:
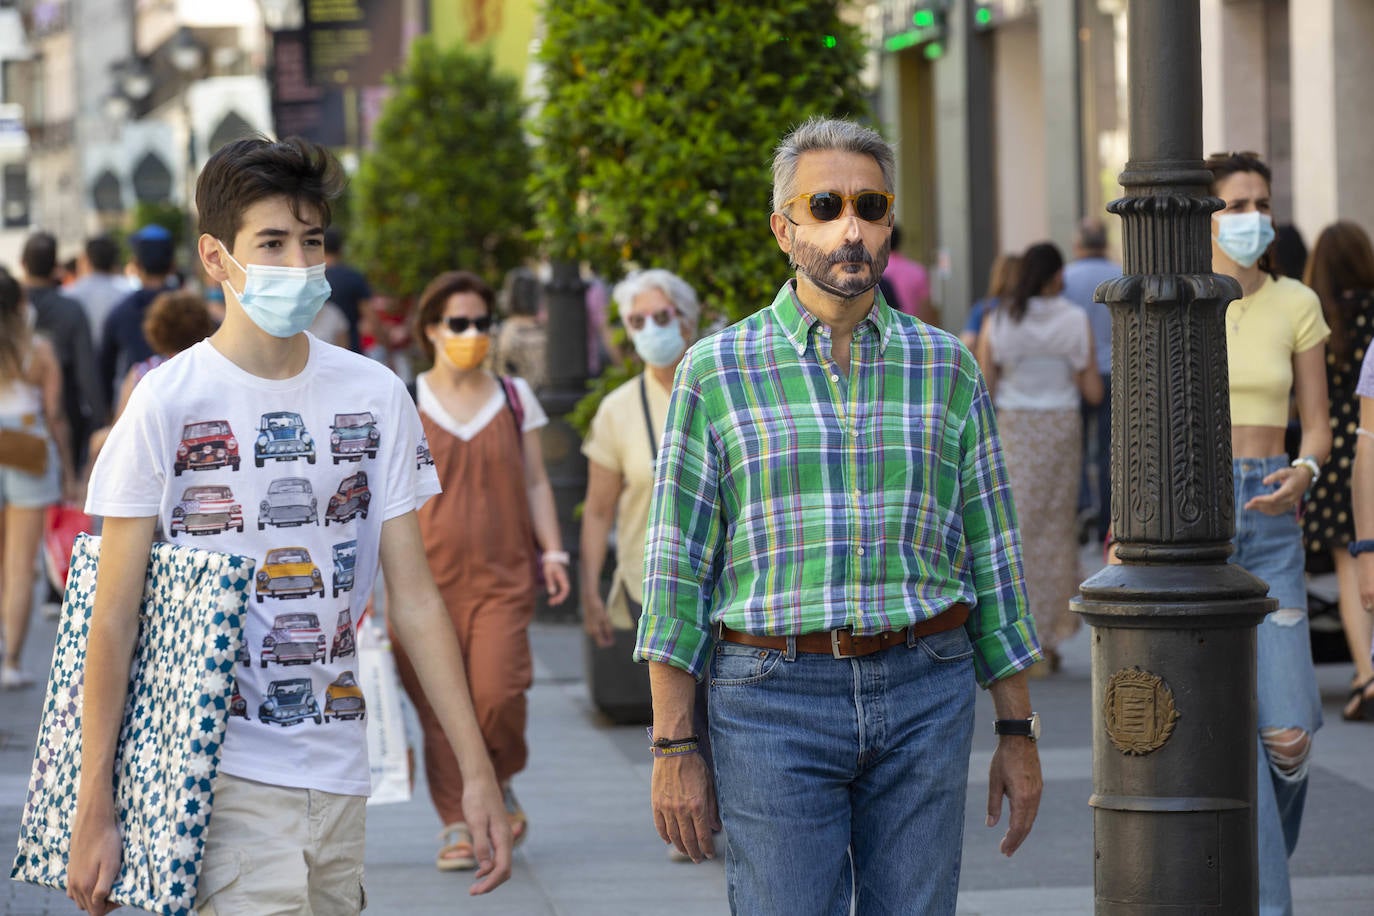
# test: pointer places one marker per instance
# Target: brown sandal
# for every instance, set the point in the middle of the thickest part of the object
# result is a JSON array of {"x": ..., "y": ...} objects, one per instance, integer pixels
[
  {"x": 515, "y": 815},
  {"x": 455, "y": 855},
  {"x": 1359, "y": 706}
]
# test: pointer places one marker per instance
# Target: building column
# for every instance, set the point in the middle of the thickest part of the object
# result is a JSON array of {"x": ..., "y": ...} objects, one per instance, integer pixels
[{"x": 1059, "y": 69}]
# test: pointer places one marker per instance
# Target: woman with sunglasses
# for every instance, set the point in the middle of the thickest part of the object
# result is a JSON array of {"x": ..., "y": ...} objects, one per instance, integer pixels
[
  {"x": 660, "y": 312},
  {"x": 481, "y": 536},
  {"x": 1275, "y": 340},
  {"x": 1036, "y": 350}
]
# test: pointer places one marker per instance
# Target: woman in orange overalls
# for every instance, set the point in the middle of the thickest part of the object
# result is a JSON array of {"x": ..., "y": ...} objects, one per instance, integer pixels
[{"x": 483, "y": 536}]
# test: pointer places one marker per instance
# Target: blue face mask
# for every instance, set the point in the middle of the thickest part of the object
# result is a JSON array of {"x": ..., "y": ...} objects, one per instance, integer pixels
[
  {"x": 1244, "y": 237},
  {"x": 283, "y": 301},
  {"x": 659, "y": 345}
]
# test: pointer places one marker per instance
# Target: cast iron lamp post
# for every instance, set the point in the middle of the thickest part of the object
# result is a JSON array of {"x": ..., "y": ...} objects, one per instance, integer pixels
[{"x": 1173, "y": 628}]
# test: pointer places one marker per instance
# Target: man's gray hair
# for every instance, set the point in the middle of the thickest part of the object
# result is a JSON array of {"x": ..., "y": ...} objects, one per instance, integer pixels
[
  {"x": 819, "y": 134},
  {"x": 678, "y": 291}
]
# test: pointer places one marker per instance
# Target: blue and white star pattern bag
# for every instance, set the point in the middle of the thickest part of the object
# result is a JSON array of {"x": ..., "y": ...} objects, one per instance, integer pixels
[{"x": 181, "y": 694}]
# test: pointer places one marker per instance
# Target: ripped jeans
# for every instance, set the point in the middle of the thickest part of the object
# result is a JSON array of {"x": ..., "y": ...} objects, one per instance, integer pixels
[{"x": 1287, "y": 702}]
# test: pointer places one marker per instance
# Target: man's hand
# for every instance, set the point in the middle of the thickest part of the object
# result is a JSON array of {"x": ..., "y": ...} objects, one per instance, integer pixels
[
  {"x": 685, "y": 805},
  {"x": 1015, "y": 773},
  {"x": 485, "y": 812},
  {"x": 596, "y": 621},
  {"x": 94, "y": 861}
]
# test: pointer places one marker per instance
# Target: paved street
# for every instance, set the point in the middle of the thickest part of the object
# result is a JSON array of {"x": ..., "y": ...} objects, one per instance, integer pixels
[{"x": 592, "y": 850}]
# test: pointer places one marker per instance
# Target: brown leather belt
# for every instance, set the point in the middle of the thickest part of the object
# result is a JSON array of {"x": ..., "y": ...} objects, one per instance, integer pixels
[{"x": 844, "y": 644}]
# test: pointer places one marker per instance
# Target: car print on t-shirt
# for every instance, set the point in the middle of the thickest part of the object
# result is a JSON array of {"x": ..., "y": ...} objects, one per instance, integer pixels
[
  {"x": 206, "y": 445},
  {"x": 289, "y": 702},
  {"x": 206, "y": 510},
  {"x": 295, "y": 639},
  {"x": 343, "y": 699},
  {"x": 350, "y": 500},
  {"x": 422, "y": 454},
  {"x": 345, "y": 637},
  {"x": 288, "y": 572},
  {"x": 282, "y": 437},
  {"x": 345, "y": 558},
  {"x": 238, "y": 706},
  {"x": 290, "y": 501},
  {"x": 352, "y": 436}
]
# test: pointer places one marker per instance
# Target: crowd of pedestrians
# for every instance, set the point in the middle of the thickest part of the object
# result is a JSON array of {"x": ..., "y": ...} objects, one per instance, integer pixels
[{"x": 754, "y": 488}]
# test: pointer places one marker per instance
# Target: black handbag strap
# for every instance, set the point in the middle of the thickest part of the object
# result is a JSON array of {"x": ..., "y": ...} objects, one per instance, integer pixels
[{"x": 648, "y": 418}]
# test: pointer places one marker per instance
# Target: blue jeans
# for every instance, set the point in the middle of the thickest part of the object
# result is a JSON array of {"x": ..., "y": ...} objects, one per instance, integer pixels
[
  {"x": 842, "y": 778},
  {"x": 1286, "y": 696}
]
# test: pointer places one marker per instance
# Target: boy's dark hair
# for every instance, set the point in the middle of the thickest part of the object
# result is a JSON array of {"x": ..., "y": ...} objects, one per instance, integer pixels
[
  {"x": 39, "y": 257},
  {"x": 102, "y": 253},
  {"x": 436, "y": 295},
  {"x": 246, "y": 171}
]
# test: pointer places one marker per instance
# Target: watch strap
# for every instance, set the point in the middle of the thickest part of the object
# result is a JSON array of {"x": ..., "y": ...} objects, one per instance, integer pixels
[
  {"x": 1018, "y": 727},
  {"x": 1358, "y": 547}
]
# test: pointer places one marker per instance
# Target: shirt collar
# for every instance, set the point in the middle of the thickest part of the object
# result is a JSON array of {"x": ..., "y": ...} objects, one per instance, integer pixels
[{"x": 797, "y": 323}]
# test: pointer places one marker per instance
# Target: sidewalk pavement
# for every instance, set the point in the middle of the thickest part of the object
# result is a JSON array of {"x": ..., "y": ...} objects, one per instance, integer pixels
[{"x": 592, "y": 849}]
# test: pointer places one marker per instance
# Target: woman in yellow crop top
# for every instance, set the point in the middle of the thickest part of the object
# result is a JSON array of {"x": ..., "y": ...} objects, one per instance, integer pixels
[{"x": 1276, "y": 338}]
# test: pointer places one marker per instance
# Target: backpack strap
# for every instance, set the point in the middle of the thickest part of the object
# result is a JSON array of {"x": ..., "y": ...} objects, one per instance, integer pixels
[{"x": 517, "y": 408}]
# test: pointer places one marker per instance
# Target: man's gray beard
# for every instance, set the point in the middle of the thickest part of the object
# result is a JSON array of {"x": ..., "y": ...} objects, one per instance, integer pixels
[{"x": 812, "y": 257}]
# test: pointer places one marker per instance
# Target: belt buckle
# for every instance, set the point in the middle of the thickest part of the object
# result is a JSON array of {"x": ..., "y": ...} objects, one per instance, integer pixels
[{"x": 835, "y": 651}]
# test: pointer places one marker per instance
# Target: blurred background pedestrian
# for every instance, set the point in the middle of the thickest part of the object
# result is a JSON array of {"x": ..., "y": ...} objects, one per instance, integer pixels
[
  {"x": 493, "y": 524},
  {"x": 1290, "y": 251},
  {"x": 1038, "y": 355},
  {"x": 909, "y": 283},
  {"x": 31, "y": 410},
  {"x": 121, "y": 341},
  {"x": 1275, "y": 336},
  {"x": 519, "y": 345},
  {"x": 1341, "y": 272},
  {"x": 101, "y": 284},
  {"x": 1089, "y": 268},
  {"x": 63, "y": 321},
  {"x": 349, "y": 289},
  {"x": 1001, "y": 283}
]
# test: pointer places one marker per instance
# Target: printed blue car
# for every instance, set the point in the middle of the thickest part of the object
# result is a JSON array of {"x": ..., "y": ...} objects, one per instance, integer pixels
[
  {"x": 289, "y": 702},
  {"x": 282, "y": 437},
  {"x": 345, "y": 558}
]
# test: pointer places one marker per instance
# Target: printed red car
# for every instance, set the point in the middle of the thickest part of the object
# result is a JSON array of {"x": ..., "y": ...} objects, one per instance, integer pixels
[
  {"x": 205, "y": 446},
  {"x": 351, "y": 499}
]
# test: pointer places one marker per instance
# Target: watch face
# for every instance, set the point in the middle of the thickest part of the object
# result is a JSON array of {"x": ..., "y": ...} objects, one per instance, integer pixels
[{"x": 1035, "y": 726}]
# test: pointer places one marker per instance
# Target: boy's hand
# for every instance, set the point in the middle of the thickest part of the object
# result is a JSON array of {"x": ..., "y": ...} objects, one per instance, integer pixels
[
  {"x": 485, "y": 813},
  {"x": 96, "y": 855}
]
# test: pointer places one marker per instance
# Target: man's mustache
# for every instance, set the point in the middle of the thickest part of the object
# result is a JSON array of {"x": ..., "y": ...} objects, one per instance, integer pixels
[{"x": 850, "y": 253}]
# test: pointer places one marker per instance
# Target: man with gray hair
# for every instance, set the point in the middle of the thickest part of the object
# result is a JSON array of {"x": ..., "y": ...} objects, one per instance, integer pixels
[
  {"x": 1091, "y": 266},
  {"x": 832, "y": 540}
]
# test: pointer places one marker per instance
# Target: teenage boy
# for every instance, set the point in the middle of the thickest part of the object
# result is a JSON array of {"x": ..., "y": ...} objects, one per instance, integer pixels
[{"x": 248, "y": 414}]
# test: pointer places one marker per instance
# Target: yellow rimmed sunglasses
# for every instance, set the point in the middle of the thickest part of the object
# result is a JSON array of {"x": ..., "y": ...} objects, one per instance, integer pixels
[{"x": 869, "y": 206}]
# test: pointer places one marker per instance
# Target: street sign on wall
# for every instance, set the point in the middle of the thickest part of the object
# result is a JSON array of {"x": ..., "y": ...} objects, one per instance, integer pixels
[{"x": 352, "y": 43}]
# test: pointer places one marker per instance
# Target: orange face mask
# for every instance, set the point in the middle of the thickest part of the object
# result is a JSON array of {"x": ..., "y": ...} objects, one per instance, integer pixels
[{"x": 467, "y": 351}]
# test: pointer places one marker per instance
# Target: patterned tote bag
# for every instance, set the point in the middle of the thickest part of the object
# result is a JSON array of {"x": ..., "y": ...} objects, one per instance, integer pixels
[{"x": 180, "y": 688}]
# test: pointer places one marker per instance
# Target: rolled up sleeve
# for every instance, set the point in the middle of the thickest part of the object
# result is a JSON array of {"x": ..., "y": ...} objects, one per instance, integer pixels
[
  {"x": 685, "y": 536},
  {"x": 1000, "y": 626}
]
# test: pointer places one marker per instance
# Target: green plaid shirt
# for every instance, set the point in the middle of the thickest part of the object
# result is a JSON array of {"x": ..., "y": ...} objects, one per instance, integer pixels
[{"x": 790, "y": 499}]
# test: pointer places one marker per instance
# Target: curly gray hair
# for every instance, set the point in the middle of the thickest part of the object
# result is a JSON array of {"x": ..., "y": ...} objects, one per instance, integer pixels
[{"x": 683, "y": 297}]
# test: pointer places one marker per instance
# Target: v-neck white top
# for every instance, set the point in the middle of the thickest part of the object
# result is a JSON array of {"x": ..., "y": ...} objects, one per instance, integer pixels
[{"x": 430, "y": 405}]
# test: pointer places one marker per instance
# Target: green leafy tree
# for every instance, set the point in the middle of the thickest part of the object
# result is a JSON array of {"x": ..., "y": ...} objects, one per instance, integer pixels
[
  {"x": 444, "y": 188},
  {"x": 657, "y": 134}
]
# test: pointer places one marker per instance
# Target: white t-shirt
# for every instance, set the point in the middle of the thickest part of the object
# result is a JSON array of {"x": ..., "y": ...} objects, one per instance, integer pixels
[
  {"x": 1039, "y": 356},
  {"x": 299, "y": 474}
]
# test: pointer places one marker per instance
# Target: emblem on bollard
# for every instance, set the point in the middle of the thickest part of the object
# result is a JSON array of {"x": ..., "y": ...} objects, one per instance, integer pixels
[{"x": 1139, "y": 711}]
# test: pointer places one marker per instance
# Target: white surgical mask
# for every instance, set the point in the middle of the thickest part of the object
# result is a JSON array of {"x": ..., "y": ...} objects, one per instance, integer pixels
[
  {"x": 1244, "y": 237},
  {"x": 283, "y": 301},
  {"x": 659, "y": 345}
]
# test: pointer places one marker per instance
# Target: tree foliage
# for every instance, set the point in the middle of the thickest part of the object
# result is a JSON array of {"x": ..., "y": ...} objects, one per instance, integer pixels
[
  {"x": 444, "y": 188},
  {"x": 657, "y": 135}
]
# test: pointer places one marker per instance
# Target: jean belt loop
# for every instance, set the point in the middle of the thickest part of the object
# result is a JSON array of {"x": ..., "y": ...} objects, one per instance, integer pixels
[
  {"x": 791, "y": 652},
  {"x": 911, "y": 637}
]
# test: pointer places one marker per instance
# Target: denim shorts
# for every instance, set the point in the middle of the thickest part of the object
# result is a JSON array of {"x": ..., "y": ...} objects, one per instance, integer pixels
[
  {"x": 30, "y": 491},
  {"x": 1270, "y": 547}
]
